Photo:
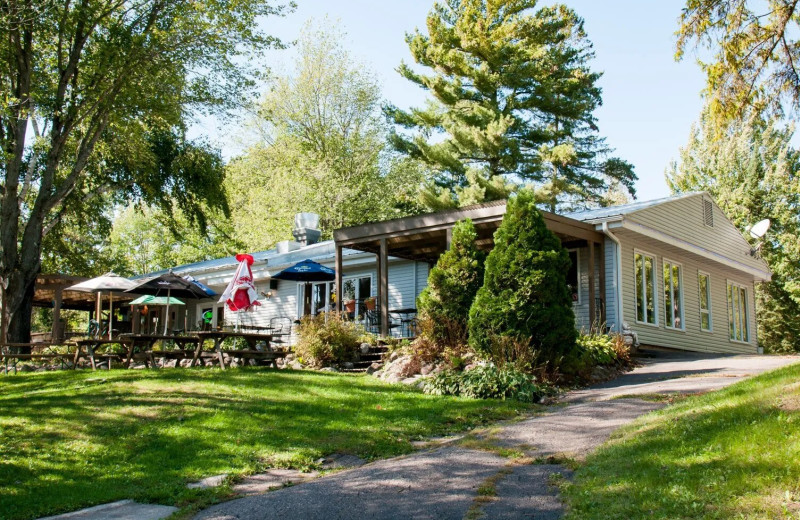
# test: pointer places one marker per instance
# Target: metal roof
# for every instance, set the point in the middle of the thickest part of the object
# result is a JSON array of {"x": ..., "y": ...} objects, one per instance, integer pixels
[{"x": 625, "y": 209}]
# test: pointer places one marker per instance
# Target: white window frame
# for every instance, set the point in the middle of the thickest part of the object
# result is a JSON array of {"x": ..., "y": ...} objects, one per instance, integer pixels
[
  {"x": 637, "y": 289},
  {"x": 746, "y": 321},
  {"x": 709, "y": 311},
  {"x": 682, "y": 317},
  {"x": 578, "y": 270},
  {"x": 356, "y": 277}
]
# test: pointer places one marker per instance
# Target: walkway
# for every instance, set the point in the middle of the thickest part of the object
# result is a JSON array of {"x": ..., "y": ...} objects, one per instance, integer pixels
[{"x": 457, "y": 480}]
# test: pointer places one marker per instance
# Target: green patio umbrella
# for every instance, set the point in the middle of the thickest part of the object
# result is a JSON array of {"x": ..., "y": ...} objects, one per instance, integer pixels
[{"x": 148, "y": 299}]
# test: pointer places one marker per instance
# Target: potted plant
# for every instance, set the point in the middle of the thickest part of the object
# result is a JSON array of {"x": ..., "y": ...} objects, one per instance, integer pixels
[
  {"x": 350, "y": 306},
  {"x": 369, "y": 303}
]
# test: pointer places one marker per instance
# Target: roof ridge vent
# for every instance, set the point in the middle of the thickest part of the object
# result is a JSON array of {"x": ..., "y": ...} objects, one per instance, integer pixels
[{"x": 708, "y": 212}]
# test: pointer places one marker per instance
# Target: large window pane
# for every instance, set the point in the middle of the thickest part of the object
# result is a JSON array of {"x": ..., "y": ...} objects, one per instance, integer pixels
[
  {"x": 673, "y": 309},
  {"x": 704, "y": 283},
  {"x": 737, "y": 315},
  {"x": 645, "y": 288}
]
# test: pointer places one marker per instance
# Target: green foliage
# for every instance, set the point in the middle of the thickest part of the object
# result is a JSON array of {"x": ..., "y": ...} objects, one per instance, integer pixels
[
  {"x": 327, "y": 339},
  {"x": 487, "y": 382},
  {"x": 321, "y": 148},
  {"x": 719, "y": 455},
  {"x": 751, "y": 169},
  {"x": 599, "y": 348},
  {"x": 452, "y": 284},
  {"x": 144, "y": 239},
  {"x": 513, "y": 98},
  {"x": 96, "y": 95},
  {"x": 755, "y": 50},
  {"x": 525, "y": 295},
  {"x": 74, "y": 439}
]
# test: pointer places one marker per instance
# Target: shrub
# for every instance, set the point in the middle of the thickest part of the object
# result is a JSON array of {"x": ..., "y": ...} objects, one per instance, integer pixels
[
  {"x": 487, "y": 382},
  {"x": 599, "y": 349},
  {"x": 444, "y": 304},
  {"x": 525, "y": 296},
  {"x": 327, "y": 339}
]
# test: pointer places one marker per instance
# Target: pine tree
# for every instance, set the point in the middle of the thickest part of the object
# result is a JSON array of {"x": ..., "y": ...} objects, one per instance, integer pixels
[
  {"x": 513, "y": 97},
  {"x": 525, "y": 297},
  {"x": 452, "y": 284}
]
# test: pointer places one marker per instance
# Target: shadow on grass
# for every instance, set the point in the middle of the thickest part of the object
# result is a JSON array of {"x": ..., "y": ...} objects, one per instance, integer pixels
[{"x": 73, "y": 439}]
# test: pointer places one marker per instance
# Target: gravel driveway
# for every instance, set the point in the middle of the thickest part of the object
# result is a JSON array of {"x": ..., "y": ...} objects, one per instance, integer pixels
[{"x": 444, "y": 482}]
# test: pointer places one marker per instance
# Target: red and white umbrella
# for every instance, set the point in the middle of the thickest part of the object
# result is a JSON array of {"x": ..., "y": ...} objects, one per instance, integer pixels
[{"x": 240, "y": 295}]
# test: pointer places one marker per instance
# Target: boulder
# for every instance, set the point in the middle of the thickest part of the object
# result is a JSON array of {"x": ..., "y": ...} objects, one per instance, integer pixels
[
  {"x": 427, "y": 368},
  {"x": 347, "y": 365},
  {"x": 401, "y": 368},
  {"x": 365, "y": 348},
  {"x": 374, "y": 368}
]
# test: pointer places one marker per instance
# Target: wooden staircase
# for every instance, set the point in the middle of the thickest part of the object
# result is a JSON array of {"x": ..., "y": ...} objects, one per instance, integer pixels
[{"x": 375, "y": 354}]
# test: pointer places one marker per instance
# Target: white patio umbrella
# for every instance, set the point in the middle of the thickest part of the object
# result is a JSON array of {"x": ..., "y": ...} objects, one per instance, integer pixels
[
  {"x": 109, "y": 282},
  {"x": 240, "y": 295}
]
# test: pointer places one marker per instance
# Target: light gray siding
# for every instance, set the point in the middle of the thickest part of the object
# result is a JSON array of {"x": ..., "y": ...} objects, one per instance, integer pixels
[
  {"x": 612, "y": 282},
  {"x": 684, "y": 219},
  {"x": 691, "y": 337}
]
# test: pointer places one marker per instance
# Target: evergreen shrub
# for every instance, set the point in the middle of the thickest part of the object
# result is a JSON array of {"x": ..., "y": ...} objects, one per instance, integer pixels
[
  {"x": 525, "y": 296},
  {"x": 443, "y": 307}
]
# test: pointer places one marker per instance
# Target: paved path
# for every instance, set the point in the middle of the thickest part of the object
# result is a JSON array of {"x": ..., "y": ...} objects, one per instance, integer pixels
[{"x": 450, "y": 482}]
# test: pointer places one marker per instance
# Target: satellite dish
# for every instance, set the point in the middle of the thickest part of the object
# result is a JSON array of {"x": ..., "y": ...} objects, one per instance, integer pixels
[{"x": 760, "y": 228}]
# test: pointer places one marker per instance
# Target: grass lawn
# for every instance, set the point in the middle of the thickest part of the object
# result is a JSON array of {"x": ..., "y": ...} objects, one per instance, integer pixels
[
  {"x": 74, "y": 439},
  {"x": 728, "y": 454}
]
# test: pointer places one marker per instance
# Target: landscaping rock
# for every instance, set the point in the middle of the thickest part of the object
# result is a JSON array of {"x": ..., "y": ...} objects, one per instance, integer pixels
[
  {"x": 373, "y": 368},
  {"x": 329, "y": 369},
  {"x": 401, "y": 368},
  {"x": 272, "y": 479},
  {"x": 208, "y": 482},
  {"x": 393, "y": 356},
  {"x": 348, "y": 365},
  {"x": 427, "y": 368},
  {"x": 25, "y": 368}
]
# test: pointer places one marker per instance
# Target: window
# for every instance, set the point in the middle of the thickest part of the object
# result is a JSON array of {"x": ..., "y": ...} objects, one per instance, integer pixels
[
  {"x": 322, "y": 297},
  {"x": 645, "y": 288},
  {"x": 704, "y": 284},
  {"x": 354, "y": 291},
  {"x": 573, "y": 279},
  {"x": 673, "y": 295},
  {"x": 737, "y": 313}
]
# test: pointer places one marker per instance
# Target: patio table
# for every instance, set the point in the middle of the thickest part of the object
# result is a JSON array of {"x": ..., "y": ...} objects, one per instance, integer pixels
[
  {"x": 408, "y": 316},
  {"x": 251, "y": 338},
  {"x": 145, "y": 343},
  {"x": 12, "y": 358}
]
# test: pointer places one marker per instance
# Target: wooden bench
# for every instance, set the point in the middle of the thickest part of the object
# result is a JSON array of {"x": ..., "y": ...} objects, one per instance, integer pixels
[
  {"x": 254, "y": 356},
  {"x": 11, "y": 359}
]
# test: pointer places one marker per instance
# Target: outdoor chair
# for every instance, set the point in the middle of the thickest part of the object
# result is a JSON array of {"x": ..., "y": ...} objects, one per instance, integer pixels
[
  {"x": 372, "y": 321},
  {"x": 280, "y": 329}
]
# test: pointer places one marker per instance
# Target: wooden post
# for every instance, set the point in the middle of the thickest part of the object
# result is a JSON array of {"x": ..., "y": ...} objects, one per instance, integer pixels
[
  {"x": 383, "y": 287},
  {"x": 56, "y": 334},
  {"x": 592, "y": 303},
  {"x": 449, "y": 238},
  {"x": 338, "y": 267}
]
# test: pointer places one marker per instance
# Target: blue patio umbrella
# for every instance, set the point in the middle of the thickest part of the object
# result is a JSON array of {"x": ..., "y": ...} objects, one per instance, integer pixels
[{"x": 307, "y": 271}]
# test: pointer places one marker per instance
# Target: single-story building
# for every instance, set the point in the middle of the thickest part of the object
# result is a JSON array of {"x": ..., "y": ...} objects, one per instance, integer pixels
[{"x": 676, "y": 270}]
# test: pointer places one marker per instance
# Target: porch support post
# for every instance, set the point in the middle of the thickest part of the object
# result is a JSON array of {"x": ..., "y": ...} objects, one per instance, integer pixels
[
  {"x": 57, "y": 334},
  {"x": 338, "y": 266},
  {"x": 592, "y": 305},
  {"x": 383, "y": 287},
  {"x": 449, "y": 232}
]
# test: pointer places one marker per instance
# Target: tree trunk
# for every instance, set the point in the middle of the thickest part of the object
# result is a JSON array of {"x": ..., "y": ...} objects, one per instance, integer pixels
[{"x": 20, "y": 306}]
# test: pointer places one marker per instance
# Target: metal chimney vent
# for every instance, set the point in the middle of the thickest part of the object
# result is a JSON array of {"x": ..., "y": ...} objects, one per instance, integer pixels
[{"x": 306, "y": 228}]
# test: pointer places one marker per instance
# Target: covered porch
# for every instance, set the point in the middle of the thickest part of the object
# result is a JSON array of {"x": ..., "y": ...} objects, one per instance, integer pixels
[{"x": 425, "y": 237}]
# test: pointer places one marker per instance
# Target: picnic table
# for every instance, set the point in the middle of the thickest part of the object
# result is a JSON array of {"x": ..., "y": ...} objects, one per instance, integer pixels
[
  {"x": 10, "y": 357},
  {"x": 251, "y": 338},
  {"x": 93, "y": 343},
  {"x": 145, "y": 343}
]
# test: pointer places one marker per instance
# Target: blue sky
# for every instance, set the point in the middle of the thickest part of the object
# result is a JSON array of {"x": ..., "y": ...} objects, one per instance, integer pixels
[{"x": 649, "y": 100}]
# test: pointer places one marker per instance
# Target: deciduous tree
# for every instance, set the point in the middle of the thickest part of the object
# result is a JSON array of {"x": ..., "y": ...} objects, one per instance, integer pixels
[
  {"x": 512, "y": 96},
  {"x": 95, "y": 94}
]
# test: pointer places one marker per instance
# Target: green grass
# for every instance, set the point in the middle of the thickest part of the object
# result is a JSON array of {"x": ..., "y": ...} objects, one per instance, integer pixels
[
  {"x": 75, "y": 439},
  {"x": 728, "y": 454}
]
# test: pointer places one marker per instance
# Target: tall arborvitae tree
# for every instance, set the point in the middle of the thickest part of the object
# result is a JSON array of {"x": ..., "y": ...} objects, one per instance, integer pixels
[
  {"x": 751, "y": 170},
  {"x": 525, "y": 297},
  {"x": 513, "y": 97},
  {"x": 452, "y": 284}
]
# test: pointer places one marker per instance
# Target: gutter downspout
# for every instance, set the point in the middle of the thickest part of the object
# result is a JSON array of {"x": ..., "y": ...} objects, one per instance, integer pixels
[{"x": 618, "y": 274}]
